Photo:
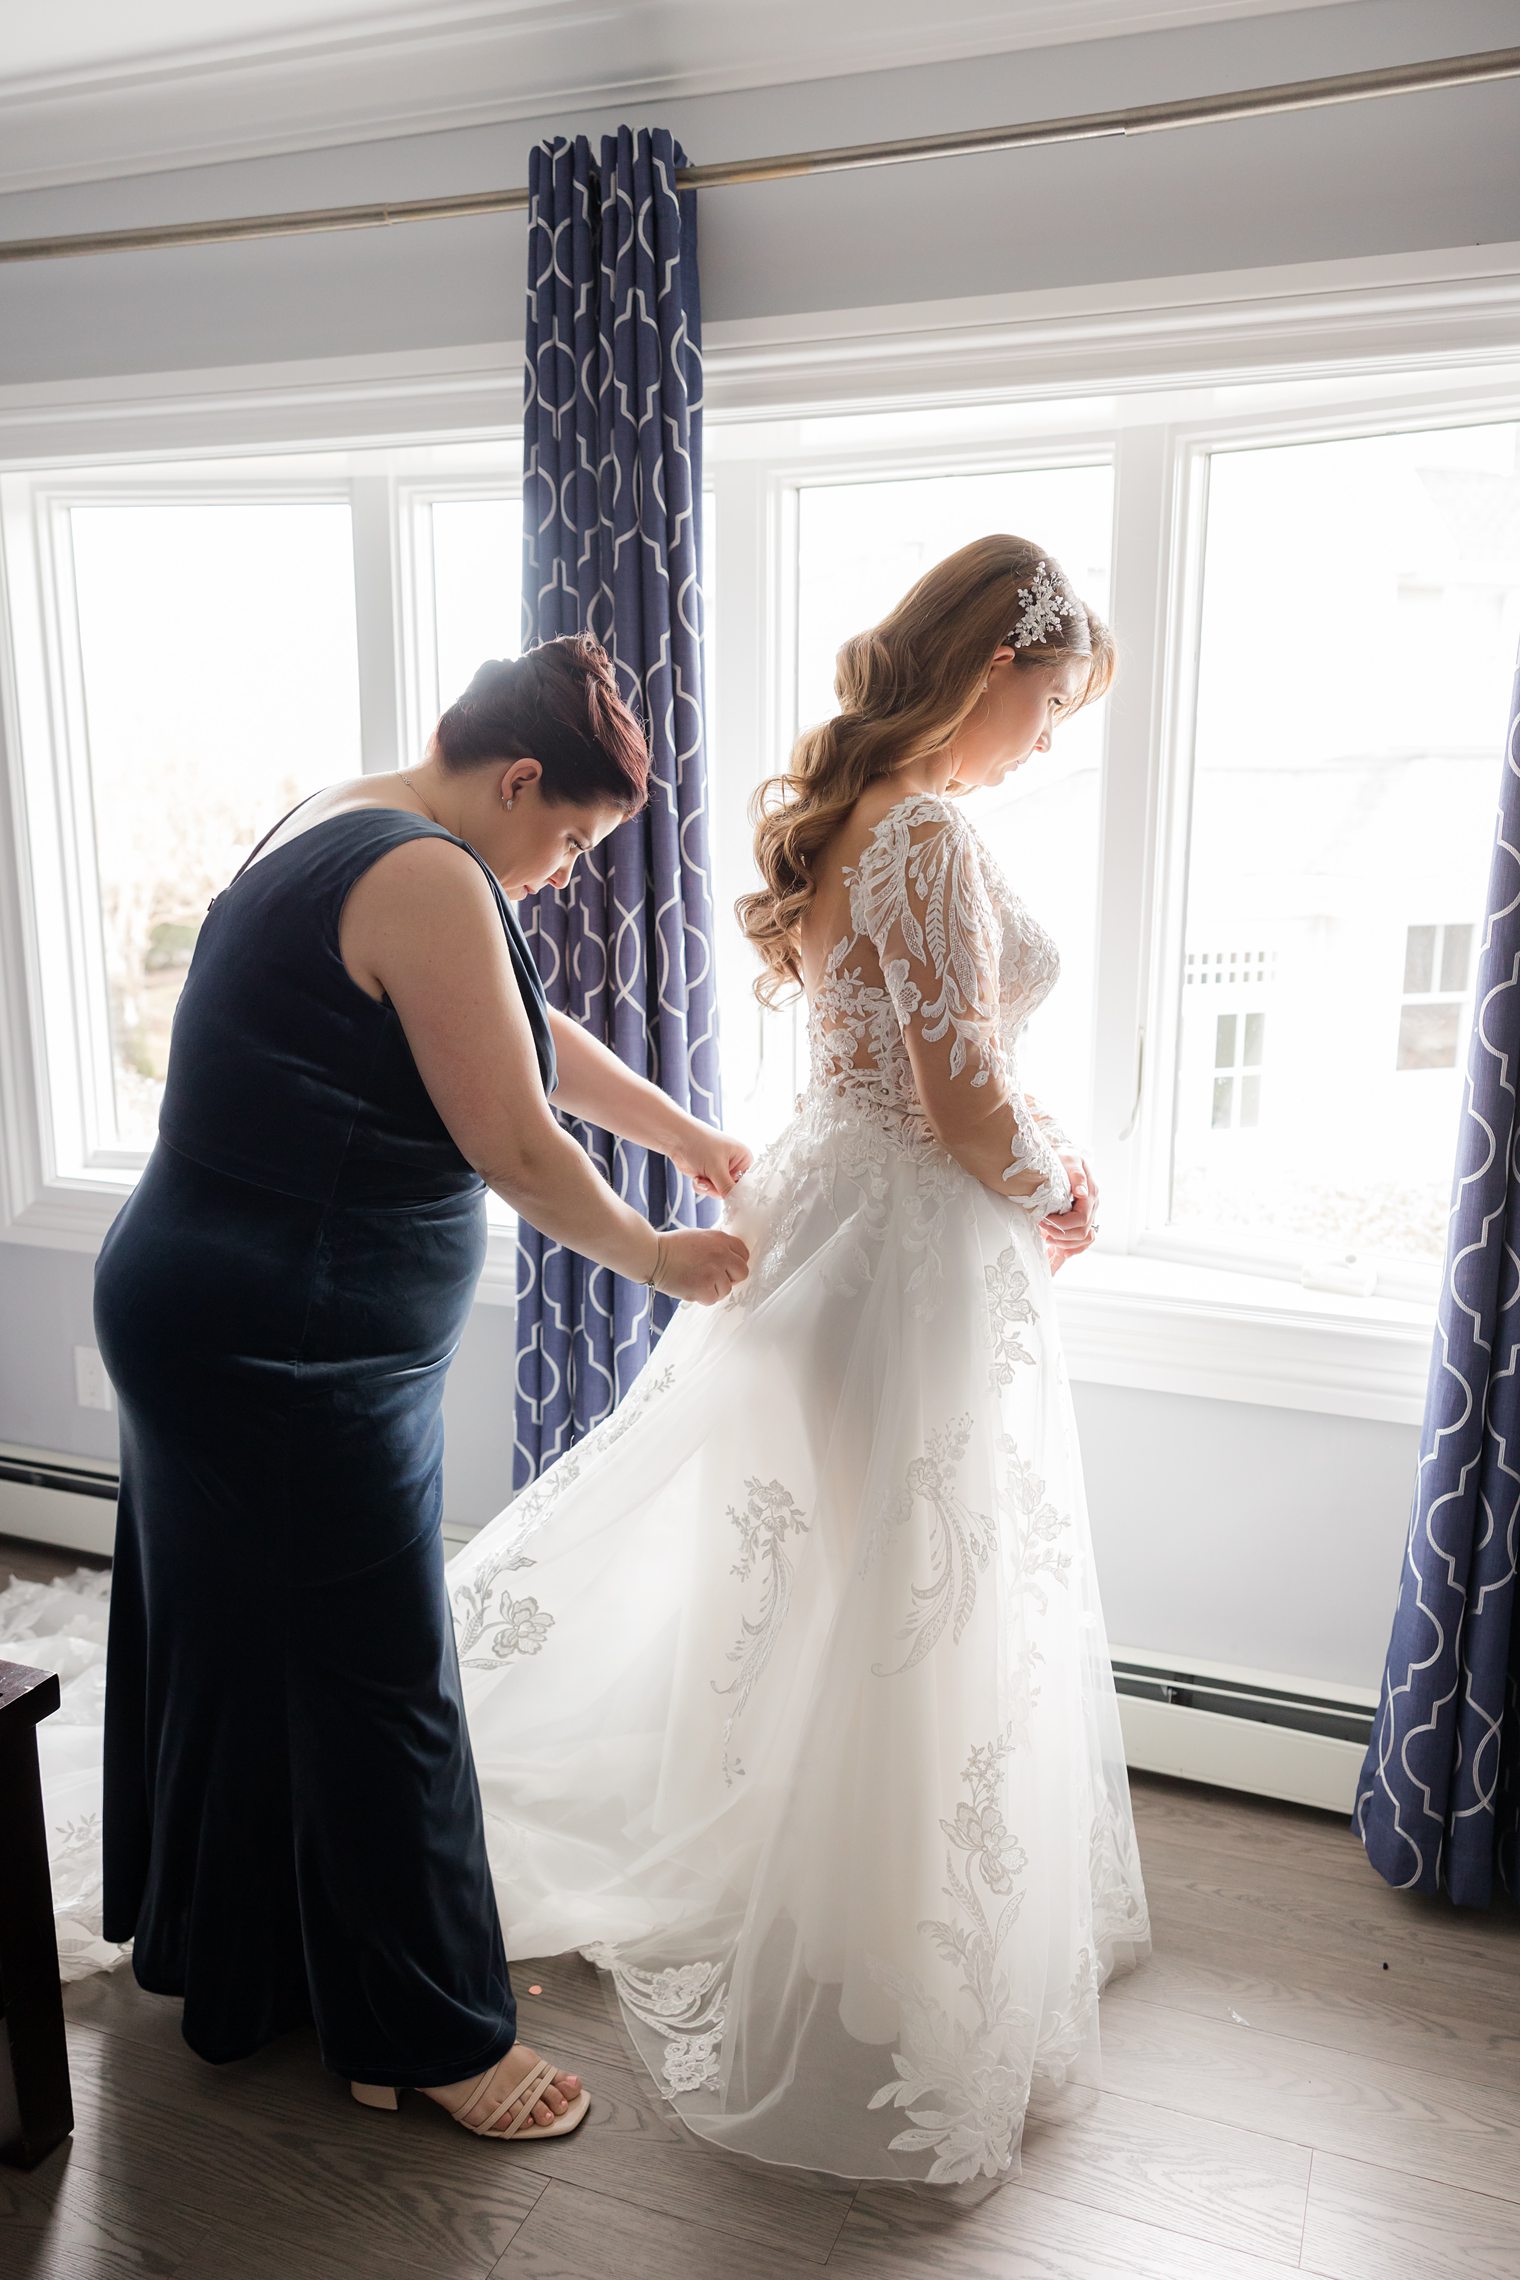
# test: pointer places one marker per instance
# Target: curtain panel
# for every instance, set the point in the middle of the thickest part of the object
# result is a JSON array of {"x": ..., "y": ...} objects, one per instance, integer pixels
[
  {"x": 612, "y": 545},
  {"x": 1438, "y": 1799}
]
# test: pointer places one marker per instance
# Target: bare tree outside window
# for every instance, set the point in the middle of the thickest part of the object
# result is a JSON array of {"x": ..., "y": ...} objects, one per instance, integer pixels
[{"x": 220, "y": 679}]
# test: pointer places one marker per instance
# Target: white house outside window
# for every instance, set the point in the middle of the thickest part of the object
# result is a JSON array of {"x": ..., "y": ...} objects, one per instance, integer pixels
[
  {"x": 1437, "y": 970},
  {"x": 1360, "y": 611}
]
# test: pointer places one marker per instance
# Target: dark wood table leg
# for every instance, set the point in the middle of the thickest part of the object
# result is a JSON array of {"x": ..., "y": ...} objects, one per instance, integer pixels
[{"x": 36, "y": 2109}]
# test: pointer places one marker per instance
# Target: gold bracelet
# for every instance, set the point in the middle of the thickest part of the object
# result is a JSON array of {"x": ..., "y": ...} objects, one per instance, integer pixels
[{"x": 650, "y": 1279}]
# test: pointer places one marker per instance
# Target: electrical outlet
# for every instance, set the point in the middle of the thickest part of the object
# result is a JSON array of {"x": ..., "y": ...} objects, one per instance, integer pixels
[{"x": 92, "y": 1388}]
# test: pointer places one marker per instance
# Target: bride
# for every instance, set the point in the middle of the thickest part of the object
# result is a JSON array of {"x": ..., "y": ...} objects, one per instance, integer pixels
[{"x": 788, "y": 1685}]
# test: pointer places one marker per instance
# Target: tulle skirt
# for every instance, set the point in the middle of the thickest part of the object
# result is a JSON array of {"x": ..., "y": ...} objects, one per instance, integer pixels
[{"x": 789, "y": 1690}]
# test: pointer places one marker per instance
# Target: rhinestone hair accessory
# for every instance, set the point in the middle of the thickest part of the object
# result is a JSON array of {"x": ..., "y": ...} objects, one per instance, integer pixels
[{"x": 1046, "y": 606}]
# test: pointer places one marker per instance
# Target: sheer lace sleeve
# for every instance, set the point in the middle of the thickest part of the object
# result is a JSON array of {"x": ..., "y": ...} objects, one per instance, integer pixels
[
  {"x": 1055, "y": 1132},
  {"x": 918, "y": 896}
]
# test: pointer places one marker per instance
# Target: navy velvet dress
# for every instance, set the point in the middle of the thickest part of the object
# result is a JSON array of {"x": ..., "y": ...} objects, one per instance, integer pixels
[{"x": 291, "y": 1824}]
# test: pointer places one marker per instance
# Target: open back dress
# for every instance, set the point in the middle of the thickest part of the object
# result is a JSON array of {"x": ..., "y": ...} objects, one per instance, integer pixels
[{"x": 789, "y": 1688}]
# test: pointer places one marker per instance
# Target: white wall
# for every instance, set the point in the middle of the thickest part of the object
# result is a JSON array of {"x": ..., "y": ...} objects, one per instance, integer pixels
[{"x": 1239, "y": 1534}]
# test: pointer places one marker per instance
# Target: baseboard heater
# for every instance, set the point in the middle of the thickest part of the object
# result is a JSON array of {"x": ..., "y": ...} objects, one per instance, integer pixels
[
  {"x": 1246, "y": 1730},
  {"x": 68, "y": 1504}
]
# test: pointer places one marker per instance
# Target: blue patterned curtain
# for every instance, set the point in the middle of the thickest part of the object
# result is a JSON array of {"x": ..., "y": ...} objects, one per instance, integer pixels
[
  {"x": 612, "y": 495},
  {"x": 1438, "y": 1800}
]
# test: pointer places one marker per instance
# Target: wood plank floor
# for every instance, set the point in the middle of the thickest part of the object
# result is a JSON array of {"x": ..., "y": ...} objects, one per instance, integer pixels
[{"x": 1311, "y": 2074}]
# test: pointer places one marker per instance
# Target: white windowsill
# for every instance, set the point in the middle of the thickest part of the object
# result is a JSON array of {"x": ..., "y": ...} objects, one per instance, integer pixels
[{"x": 1224, "y": 1335}]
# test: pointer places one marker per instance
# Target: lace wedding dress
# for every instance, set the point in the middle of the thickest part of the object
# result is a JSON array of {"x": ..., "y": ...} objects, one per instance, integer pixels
[{"x": 788, "y": 1685}]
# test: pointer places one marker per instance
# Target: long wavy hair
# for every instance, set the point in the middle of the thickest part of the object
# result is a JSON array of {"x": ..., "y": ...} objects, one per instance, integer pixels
[{"x": 904, "y": 687}]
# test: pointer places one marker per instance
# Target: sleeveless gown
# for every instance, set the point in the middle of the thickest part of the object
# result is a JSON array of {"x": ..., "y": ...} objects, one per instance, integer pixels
[
  {"x": 291, "y": 1816},
  {"x": 788, "y": 1685}
]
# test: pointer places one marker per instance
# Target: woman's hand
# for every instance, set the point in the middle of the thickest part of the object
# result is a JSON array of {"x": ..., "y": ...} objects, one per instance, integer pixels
[
  {"x": 1068, "y": 1232},
  {"x": 701, "y": 1263},
  {"x": 712, "y": 1160}
]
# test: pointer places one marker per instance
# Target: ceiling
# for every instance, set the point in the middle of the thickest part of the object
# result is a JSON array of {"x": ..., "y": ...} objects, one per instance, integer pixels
[{"x": 89, "y": 88}]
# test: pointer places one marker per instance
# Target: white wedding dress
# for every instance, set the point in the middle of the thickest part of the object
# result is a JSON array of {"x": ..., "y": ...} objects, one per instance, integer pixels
[{"x": 788, "y": 1686}]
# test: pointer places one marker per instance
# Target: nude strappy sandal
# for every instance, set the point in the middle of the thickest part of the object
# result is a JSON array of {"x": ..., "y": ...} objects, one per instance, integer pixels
[{"x": 386, "y": 2096}]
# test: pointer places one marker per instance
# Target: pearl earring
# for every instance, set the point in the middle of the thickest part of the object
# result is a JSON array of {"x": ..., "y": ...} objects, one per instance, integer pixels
[{"x": 508, "y": 803}]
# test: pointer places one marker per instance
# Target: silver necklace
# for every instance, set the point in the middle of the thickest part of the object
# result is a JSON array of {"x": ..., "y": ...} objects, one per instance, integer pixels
[{"x": 417, "y": 796}]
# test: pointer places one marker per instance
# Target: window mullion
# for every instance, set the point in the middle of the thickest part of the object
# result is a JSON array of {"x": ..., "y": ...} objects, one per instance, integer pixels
[
  {"x": 87, "y": 1030},
  {"x": 1131, "y": 964},
  {"x": 745, "y": 705},
  {"x": 383, "y": 737}
]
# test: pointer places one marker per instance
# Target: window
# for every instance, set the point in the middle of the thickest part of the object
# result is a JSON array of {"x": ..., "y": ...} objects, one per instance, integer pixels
[
  {"x": 1360, "y": 601},
  {"x": 204, "y": 677},
  {"x": 1436, "y": 962},
  {"x": 467, "y": 571},
  {"x": 1263, "y": 855}
]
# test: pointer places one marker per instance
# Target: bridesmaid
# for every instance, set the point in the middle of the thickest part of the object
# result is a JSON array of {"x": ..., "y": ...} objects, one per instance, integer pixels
[{"x": 291, "y": 1820}]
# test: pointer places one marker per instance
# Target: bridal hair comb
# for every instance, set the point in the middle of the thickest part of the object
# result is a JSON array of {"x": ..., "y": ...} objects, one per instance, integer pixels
[{"x": 1047, "y": 605}]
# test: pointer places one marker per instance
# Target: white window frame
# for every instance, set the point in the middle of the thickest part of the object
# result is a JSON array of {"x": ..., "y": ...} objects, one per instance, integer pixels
[
  {"x": 1145, "y": 1307},
  {"x": 70, "y": 1077},
  {"x": 1436, "y": 995}
]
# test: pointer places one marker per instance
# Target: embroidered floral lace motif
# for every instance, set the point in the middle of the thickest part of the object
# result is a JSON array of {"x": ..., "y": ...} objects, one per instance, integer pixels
[{"x": 956, "y": 952}]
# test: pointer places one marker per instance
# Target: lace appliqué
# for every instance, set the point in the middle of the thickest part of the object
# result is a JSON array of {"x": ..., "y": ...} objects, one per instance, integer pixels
[
  {"x": 952, "y": 940},
  {"x": 1009, "y": 1307},
  {"x": 1040, "y": 1527},
  {"x": 1032, "y": 1546},
  {"x": 646, "y": 1387},
  {"x": 972, "y": 925},
  {"x": 859, "y": 1115},
  {"x": 959, "y": 1544},
  {"x": 684, "y": 2005},
  {"x": 523, "y": 1625},
  {"x": 769, "y": 1517},
  {"x": 1121, "y": 1916},
  {"x": 965, "y": 2085}
]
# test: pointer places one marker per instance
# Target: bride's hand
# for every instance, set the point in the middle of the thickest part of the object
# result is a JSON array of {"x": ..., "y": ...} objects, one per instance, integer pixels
[
  {"x": 1068, "y": 1232},
  {"x": 701, "y": 1263},
  {"x": 711, "y": 1160}
]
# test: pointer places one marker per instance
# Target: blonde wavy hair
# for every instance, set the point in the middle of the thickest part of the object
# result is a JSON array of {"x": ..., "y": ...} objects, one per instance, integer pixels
[{"x": 904, "y": 687}]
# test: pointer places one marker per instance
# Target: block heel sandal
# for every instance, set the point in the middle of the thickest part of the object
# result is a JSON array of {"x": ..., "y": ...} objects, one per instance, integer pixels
[{"x": 385, "y": 2097}]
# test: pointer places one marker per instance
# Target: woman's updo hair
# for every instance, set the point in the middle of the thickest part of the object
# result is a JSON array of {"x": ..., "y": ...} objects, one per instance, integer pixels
[{"x": 558, "y": 704}]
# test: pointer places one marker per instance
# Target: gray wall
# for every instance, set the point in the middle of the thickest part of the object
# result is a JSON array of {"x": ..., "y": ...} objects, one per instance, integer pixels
[
  {"x": 1235, "y": 1533},
  {"x": 1374, "y": 177}
]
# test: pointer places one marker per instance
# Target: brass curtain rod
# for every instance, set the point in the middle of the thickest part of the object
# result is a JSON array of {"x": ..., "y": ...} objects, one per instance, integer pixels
[{"x": 1142, "y": 119}]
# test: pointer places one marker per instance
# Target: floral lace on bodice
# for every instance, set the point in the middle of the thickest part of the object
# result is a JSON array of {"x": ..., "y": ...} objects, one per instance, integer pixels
[{"x": 945, "y": 964}]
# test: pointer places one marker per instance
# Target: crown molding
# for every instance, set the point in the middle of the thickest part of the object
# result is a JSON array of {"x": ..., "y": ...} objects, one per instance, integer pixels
[
  {"x": 1387, "y": 312},
  {"x": 396, "y": 72},
  {"x": 1365, "y": 313}
]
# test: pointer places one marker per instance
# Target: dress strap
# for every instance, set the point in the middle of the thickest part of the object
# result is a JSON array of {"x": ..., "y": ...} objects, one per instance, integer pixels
[{"x": 269, "y": 834}]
